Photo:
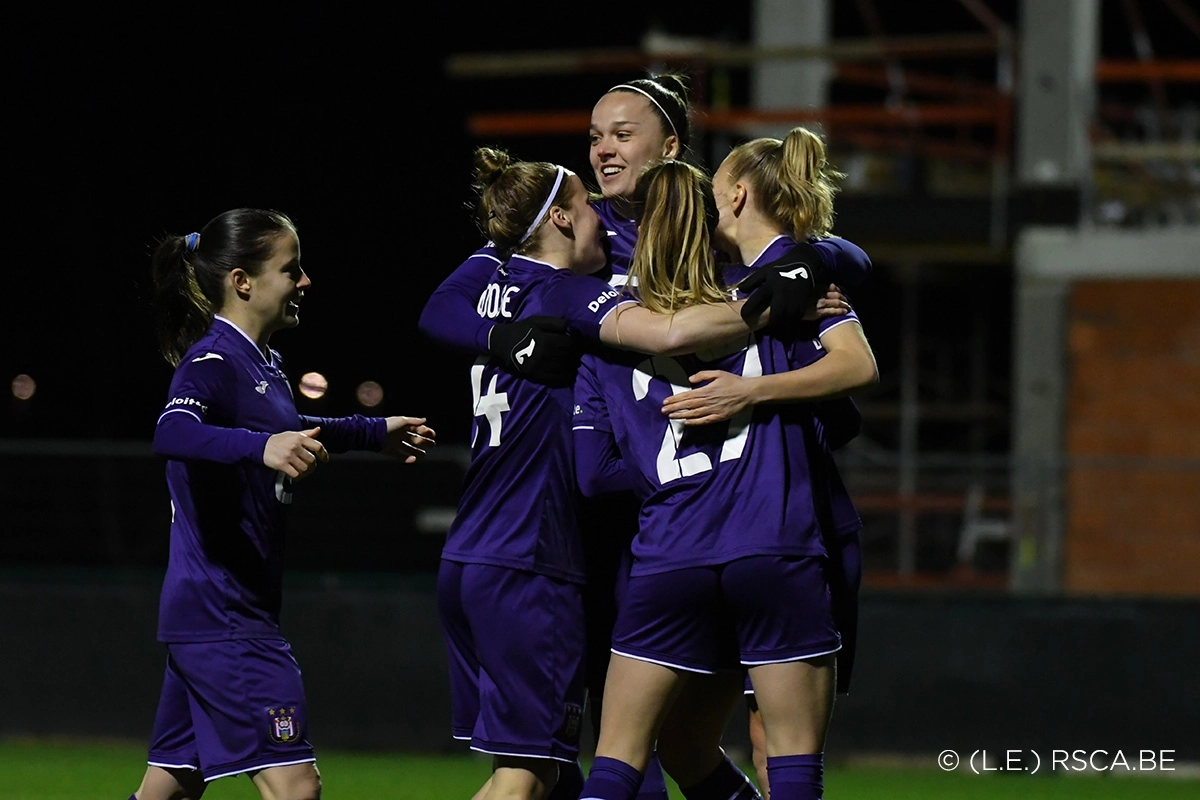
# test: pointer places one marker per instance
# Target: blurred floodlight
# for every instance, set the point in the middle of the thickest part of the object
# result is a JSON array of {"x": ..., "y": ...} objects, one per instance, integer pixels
[
  {"x": 313, "y": 385},
  {"x": 370, "y": 394},
  {"x": 23, "y": 387}
]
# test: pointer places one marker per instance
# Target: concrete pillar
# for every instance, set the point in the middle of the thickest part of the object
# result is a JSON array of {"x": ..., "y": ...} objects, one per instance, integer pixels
[
  {"x": 796, "y": 83},
  {"x": 1056, "y": 101}
]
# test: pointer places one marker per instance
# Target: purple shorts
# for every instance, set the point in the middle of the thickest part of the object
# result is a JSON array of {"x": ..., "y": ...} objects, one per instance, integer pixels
[
  {"x": 758, "y": 610},
  {"x": 845, "y": 578},
  {"x": 515, "y": 642},
  {"x": 231, "y": 707}
]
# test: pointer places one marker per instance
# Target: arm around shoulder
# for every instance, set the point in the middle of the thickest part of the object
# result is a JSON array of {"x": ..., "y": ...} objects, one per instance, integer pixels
[
  {"x": 847, "y": 367},
  {"x": 450, "y": 317},
  {"x": 634, "y": 327}
]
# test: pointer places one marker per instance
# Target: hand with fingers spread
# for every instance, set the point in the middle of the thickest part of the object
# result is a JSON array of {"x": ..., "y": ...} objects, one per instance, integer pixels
[
  {"x": 408, "y": 438},
  {"x": 295, "y": 453},
  {"x": 721, "y": 397},
  {"x": 831, "y": 304}
]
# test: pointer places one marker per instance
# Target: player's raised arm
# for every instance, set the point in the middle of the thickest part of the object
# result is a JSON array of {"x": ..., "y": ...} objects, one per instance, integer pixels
[
  {"x": 450, "y": 316},
  {"x": 458, "y": 315}
]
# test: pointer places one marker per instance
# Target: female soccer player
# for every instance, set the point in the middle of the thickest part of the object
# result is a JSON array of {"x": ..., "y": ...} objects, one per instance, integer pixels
[
  {"x": 729, "y": 558},
  {"x": 509, "y": 587},
  {"x": 232, "y": 700},
  {"x": 772, "y": 193}
]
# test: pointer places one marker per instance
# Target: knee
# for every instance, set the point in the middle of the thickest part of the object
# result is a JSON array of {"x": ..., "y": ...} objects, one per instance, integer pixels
[
  {"x": 171, "y": 784},
  {"x": 305, "y": 787},
  {"x": 310, "y": 788}
]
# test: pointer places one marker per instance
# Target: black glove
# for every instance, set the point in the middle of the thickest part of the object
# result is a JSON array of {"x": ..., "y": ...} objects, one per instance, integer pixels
[
  {"x": 841, "y": 420},
  {"x": 788, "y": 285},
  {"x": 537, "y": 348}
]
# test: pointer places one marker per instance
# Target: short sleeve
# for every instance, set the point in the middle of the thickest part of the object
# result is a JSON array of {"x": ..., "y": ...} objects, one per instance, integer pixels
[{"x": 583, "y": 301}]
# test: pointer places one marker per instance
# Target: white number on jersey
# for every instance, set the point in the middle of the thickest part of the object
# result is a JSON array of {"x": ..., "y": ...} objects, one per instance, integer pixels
[
  {"x": 670, "y": 466},
  {"x": 490, "y": 406}
]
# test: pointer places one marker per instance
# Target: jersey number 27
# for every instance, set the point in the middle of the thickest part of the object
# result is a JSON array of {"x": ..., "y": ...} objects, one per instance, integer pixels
[{"x": 670, "y": 465}]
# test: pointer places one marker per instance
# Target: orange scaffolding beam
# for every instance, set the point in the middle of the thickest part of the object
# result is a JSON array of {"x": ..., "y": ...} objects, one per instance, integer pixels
[{"x": 1175, "y": 71}]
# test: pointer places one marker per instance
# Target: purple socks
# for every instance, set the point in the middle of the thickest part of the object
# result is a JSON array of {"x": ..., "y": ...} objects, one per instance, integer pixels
[
  {"x": 797, "y": 777},
  {"x": 610, "y": 779}
]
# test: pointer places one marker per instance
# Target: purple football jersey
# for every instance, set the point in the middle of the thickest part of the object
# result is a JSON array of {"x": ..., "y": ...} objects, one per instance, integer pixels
[
  {"x": 712, "y": 493},
  {"x": 518, "y": 503},
  {"x": 849, "y": 266},
  {"x": 448, "y": 317},
  {"x": 622, "y": 236},
  {"x": 840, "y": 515},
  {"x": 228, "y": 521}
]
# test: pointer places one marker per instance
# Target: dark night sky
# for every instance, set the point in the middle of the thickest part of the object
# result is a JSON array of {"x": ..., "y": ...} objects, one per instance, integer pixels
[{"x": 123, "y": 125}]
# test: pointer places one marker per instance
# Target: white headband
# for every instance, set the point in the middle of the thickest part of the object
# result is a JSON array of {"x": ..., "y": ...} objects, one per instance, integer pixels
[
  {"x": 657, "y": 105},
  {"x": 558, "y": 179}
]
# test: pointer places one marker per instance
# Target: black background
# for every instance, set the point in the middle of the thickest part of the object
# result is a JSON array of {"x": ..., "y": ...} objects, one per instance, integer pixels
[{"x": 123, "y": 125}]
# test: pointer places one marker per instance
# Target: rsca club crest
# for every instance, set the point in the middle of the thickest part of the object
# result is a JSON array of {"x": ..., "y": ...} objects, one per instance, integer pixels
[{"x": 283, "y": 724}]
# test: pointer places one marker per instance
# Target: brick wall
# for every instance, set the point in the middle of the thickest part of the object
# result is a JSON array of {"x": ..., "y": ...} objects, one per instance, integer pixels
[{"x": 1133, "y": 438}]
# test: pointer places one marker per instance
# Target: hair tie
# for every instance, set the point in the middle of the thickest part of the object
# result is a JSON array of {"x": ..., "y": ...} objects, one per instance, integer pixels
[
  {"x": 558, "y": 179},
  {"x": 191, "y": 240},
  {"x": 657, "y": 105}
]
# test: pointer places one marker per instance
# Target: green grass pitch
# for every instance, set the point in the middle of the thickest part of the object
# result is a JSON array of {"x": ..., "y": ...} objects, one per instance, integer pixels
[{"x": 51, "y": 770}]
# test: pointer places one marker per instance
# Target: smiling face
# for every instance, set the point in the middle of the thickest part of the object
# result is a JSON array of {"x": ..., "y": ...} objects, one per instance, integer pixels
[
  {"x": 279, "y": 288},
  {"x": 626, "y": 134}
]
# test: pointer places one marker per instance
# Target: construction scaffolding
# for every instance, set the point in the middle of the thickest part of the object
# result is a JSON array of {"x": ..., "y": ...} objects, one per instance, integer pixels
[{"x": 954, "y": 142}]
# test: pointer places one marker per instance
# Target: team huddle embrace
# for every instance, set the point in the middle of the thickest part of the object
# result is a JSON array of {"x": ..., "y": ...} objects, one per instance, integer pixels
[
  {"x": 653, "y": 526},
  {"x": 652, "y": 531}
]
